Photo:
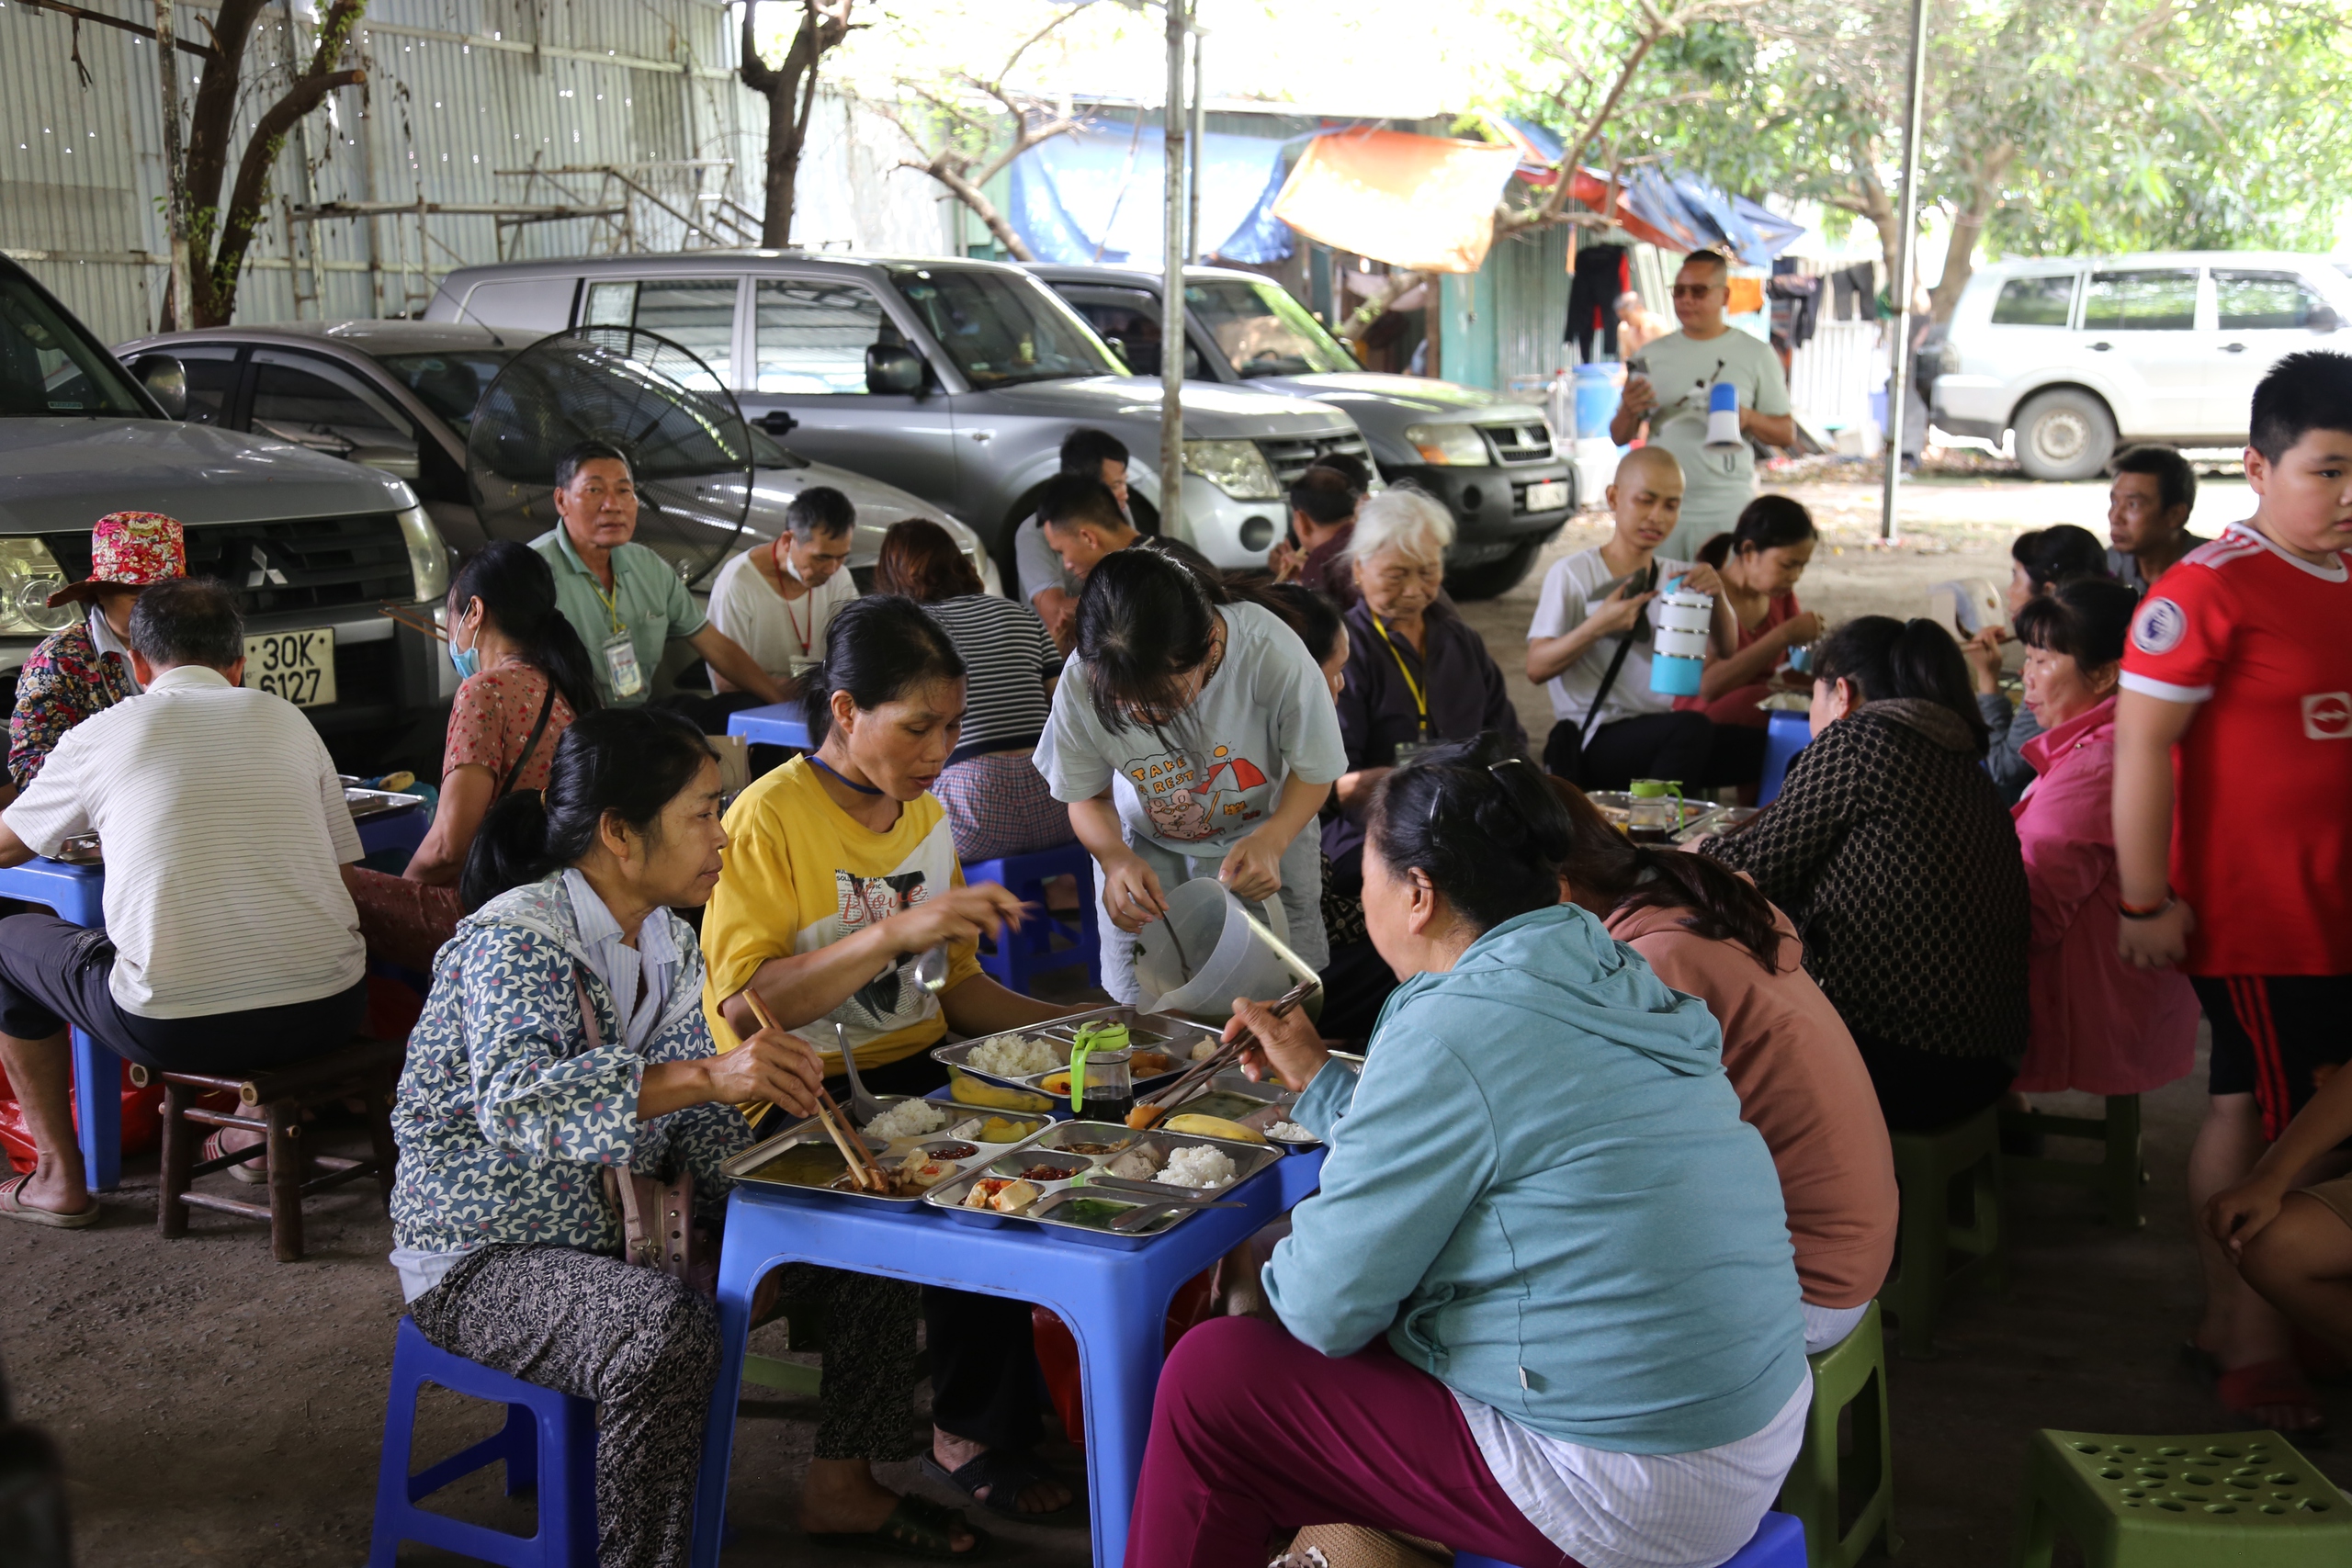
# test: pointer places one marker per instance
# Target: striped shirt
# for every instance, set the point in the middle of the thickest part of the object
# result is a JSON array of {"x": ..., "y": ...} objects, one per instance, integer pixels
[
  {"x": 1008, "y": 659},
  {"x": 222, "y": 823}
]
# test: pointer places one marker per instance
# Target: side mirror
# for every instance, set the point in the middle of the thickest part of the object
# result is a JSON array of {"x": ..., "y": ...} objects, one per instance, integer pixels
[
  {"x": 165, "y": 379},
  {"x": 400, "y": 462},
  {"x": 2323, "y": 319},
  {"x": 777, "y": 422},
  {"x": 893, "y": 368}
]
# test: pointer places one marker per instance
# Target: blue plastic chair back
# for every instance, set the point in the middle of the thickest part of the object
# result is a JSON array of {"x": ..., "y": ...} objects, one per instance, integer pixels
[
  {"x": 1785, "y": 734},
  {"x": 1017, "y": 956}
]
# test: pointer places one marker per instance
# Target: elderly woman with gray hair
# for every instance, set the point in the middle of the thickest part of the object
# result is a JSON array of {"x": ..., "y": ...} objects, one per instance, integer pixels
[{"x": 1416, "y": 675}]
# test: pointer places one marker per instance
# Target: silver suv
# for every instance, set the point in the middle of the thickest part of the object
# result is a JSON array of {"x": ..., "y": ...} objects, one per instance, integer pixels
[
  {"x": 2078, "y": 356},
  {"x": 1489, "y": 460},
  {"x": 954, "y": 380},
  {"x": 313, "y": 546}
]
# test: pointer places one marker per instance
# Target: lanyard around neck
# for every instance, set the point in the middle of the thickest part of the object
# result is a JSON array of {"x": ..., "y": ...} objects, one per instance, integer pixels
[{"x": 1420, "y": 698}]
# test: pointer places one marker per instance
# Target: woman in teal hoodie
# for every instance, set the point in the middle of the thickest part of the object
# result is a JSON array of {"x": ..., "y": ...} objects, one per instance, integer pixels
[{"x": 1544, "y": 1308}]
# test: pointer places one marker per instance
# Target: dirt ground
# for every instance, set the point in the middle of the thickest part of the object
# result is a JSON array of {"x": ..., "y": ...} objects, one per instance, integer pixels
[{"x": 215, "y": 1407}]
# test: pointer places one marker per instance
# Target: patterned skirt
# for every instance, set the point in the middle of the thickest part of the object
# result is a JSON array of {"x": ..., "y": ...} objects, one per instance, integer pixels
[{"x": 997, "y": 805}]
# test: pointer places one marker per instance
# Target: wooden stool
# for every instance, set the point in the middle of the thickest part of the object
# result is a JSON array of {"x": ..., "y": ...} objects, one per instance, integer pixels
[
  {"x": 2116, "y": 1176},
  {"x": 1926, "y": 1166},
  {"x": 272, "y": 1103}
]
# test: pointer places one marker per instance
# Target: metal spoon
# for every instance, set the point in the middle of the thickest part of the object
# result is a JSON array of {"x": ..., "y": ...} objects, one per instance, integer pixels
[
  {"x": 930, "y": 969},
  {"x": 1135, "y": 1219},
  {"x": 862, "y": 1105}
]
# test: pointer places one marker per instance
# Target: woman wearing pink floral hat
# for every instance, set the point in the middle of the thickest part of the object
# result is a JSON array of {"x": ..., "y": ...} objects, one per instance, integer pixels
[{"x": 86, "y": 667}]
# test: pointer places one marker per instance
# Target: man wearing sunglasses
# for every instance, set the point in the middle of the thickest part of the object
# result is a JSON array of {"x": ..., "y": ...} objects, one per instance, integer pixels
[{"x": 1668, "y": 390}]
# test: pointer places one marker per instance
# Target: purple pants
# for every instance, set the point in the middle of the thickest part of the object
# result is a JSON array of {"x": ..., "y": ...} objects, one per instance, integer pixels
[{"x": 1255, "y": 1432}]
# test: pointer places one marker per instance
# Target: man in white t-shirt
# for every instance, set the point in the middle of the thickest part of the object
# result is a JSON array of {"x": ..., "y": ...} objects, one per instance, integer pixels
[
  {"x": 779, "y": 599},
  {"x": 1669, "y": 390},
  {"x": 230, "y": 944}
]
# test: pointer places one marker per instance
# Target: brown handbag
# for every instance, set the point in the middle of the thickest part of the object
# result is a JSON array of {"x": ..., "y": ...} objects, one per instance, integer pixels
[{"x": 658, "y": 1229}]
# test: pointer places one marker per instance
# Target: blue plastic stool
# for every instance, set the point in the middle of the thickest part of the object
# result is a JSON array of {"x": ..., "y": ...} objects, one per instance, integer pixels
[
  {"x": 548, "y": 1443},
  {"x": 1779, "y": 1542},
  {"x": 1785, "y": 734},
  {"x": 1030, "y": 951}
]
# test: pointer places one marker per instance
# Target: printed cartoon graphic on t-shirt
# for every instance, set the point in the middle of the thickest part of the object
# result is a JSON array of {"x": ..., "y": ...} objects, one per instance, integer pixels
[
  {"x": 1187, "y": 803},
  {"x": 893, "y": 998}
]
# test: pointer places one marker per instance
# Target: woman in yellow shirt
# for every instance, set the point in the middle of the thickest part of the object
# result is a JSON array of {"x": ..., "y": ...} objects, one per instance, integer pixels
[{"x": 840, "y": 873}]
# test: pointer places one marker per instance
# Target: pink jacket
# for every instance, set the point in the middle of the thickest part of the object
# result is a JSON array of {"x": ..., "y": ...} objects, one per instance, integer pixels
[
  {"x": 1803, "y": 1086},
  {"x": 2099, "y": 1024}
]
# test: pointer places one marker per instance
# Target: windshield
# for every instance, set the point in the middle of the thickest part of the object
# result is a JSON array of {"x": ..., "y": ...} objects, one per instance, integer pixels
[
  {"x": 1262, "y": 331},
  {"x": 1002, "y": 329},
  {"x": 48, "y": 367},
  {"x": 449, "y": 384}
]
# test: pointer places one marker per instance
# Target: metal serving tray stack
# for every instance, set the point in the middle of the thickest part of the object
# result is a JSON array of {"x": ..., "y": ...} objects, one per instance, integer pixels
[
  {"x": 1166, "y": 1033},
  {"x": 746, "y": 1167},
  {"x": 1053, "y": 1146}
]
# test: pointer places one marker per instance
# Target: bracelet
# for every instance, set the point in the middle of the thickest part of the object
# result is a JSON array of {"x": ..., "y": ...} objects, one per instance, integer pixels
[{"x": 2131, "y": 912}]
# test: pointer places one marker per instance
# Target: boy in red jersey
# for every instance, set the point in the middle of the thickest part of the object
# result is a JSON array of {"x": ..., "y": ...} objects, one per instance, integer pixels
[{"x": 2233, "y": 822}]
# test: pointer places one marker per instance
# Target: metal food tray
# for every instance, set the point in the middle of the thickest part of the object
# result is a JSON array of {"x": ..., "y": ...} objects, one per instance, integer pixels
[
  {"x": 81, "y": 849},
  {"x": 1722, "y": 819},
  {"x": 1167, "y": 1033},
  {"x": 742, "y": 1165},
  {"x": 1616, "y": 805},
  {"x": 1248, "y": 1160},
  {"x": 364, "y": 803},
  {"x": 1278, "y": 1103}
]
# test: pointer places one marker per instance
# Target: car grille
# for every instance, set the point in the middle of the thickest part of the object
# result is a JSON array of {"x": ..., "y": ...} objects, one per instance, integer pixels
[
  {"x": 1528, "y": 443},
  {"x": 308, "y": 564},
  {"x": 1292, "y": 458}
]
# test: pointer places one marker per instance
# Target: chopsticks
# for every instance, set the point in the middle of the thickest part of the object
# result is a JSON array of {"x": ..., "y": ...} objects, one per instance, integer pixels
[
  {"x": 864, "y": 1168},
  {"x": 1151, "y": 1108},
  {"x": 427, "y": 627}
]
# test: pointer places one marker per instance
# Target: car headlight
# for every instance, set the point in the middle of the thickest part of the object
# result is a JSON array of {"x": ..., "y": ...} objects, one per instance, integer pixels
[
  {"x": 1236, "y": 468},
  {"x": 428, "y": 555},
  {"x": 1447, "y": 446},
  {"x": 29, "y": 575}
]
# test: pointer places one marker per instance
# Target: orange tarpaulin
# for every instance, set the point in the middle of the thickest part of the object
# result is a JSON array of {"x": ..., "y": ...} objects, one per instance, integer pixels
[{"x": 1424, "y": 202}]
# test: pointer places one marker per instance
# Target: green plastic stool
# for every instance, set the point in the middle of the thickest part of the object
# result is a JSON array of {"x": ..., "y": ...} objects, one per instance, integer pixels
[
  {"x": 2116, "y": 1177},
  {"x": 2218, "y": 1500},
  {"x": 1852, "y": 1372},
  {"x": 1926, "y": 1166}
]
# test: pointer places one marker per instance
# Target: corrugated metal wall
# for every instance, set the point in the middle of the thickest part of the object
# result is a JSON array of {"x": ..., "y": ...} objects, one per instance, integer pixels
[
  {"x": 1505, "y": 322},
  {"x": 464, "y": 99}
]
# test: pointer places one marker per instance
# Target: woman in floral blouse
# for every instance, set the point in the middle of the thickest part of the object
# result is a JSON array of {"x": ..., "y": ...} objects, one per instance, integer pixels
[
  {"x": 564, "y": 1035},
  {"x": 86, "y": 667}
]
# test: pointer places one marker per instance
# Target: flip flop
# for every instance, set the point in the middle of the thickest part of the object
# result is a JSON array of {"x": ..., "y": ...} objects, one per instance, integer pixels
[
  {"x": 13, "y": 1206},
  {"x": 1006, "y": 1475},
  {"x": 917, "y": 1527},
  {"x": 2267, "y": 1384}
]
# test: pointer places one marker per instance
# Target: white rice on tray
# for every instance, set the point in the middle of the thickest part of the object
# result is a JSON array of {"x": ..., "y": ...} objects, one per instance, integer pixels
[
  {"x": 1196, "y": 1165},
  {"x": 911, "y": 1119},
  {"x": 1013, "y": 1056},
  {"x": 1289, "y": 1133}
]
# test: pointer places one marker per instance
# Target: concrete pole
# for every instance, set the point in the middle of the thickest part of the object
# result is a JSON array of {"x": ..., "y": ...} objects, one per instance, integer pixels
[
  {"x": 167, "y": 63},
  {"x": 1171, "y": 316},
  {"x": 1898, "y": 375},
  {"x": 1200, "y": 145}
]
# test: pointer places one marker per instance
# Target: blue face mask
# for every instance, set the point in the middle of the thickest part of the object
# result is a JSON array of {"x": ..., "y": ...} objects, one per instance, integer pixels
[{"x": 467, "y": 660}]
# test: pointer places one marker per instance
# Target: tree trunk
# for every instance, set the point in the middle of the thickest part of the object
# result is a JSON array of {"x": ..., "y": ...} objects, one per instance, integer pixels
[
  {"x": 976, "y": 200},
  {"x": 1968, "y": 225},
  {"x": 790, "y": 90}
]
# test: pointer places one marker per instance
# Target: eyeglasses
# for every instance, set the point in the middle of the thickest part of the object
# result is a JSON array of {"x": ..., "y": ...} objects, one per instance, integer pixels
[{"x": 1694, "y": 290}]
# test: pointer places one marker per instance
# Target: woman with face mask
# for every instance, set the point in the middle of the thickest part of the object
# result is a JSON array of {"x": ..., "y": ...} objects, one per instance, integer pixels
[{"x": 524, "y": 677}]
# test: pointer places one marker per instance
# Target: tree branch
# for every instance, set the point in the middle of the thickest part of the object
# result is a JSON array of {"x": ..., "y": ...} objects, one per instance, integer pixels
[{"x": 187, "y": 46}]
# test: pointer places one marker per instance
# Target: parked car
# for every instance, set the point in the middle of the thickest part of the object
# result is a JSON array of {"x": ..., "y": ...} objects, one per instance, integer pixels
[
  {"x": 313, "y": 546},
  {"x": 1488, "y": 458},
  {"x": 956, "y": 379},
  {"x": 399, "y": 396},
  {"x": 2078, "y": 356}
]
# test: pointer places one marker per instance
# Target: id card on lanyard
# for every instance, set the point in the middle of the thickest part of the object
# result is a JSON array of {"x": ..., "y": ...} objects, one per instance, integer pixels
[
  {"x": 620, "y": 650},
  {"x": 1422, "y": 739}
]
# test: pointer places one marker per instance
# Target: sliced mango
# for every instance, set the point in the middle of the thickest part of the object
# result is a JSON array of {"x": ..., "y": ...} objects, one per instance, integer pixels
[{"x": 1215, "y": 1127}]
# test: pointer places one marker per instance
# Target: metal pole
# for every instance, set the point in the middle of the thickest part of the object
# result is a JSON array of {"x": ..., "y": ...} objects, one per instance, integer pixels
[
  {"x": 1199, "y": 154},
  {"x": 1171, "y": 314},
  {"x": 1898, "y": 375},
  {"x": 174, "y": 170}
]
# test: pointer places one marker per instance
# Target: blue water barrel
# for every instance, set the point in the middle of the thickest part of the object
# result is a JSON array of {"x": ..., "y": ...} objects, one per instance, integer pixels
[{"x": 1600, "y": 389}]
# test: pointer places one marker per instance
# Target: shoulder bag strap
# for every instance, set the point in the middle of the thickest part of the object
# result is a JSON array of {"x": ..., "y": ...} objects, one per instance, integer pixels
[
  {"x": 547, "y": 710},
  {"x": 1617, "y": 662},
  {"x": 657, "y": 1216}
]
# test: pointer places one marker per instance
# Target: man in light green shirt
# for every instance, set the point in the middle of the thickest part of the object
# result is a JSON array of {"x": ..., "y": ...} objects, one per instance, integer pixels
[
  {"x": 1669, "y": 390},
  {"x": 623, "y": 598}
]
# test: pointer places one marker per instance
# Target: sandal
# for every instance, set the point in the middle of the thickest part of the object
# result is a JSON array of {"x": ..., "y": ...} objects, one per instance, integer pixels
[
  {"x": 13, "y": 1206},
  {"x": 1006, "y": 1475},
  {"x": 916, "y": 1527},
  {"x": 253, "y": 1172},
  {"x": 2263, "y": 1385}
]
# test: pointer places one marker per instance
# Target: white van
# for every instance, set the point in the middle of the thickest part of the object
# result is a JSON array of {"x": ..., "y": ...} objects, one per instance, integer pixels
[{"x": 2081, "y": 355}]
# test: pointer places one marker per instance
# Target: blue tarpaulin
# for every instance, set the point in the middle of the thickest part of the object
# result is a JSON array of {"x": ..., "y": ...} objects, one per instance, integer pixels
[
  {"x": 1096, "y": 195},
  {"x": 1689, "y": 210}
]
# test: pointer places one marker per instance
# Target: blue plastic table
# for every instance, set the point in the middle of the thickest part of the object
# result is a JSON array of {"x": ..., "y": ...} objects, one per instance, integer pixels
[
  {"x": 77, "y": 895},
  {"x": 1115, "y": 1301},
  {"x": 778, "y": 724}
]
